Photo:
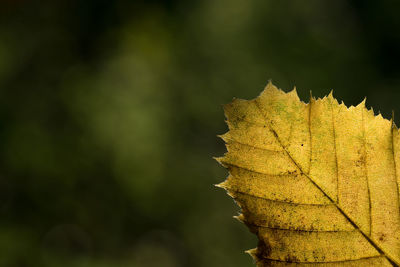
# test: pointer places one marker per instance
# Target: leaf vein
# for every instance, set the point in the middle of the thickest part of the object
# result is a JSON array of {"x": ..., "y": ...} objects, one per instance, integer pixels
[
  {"x": 366, "y": 170},
  {"x": 336, "y": 159},
  {"x": 309, "y": 131},
  {"x": 299, "y": 230},
  {"x": 276, "y": 200},
  {"x": 315, "y": 262},
  {"x": 394, "y": 163},
  {"x": 228, "y": 164},
  {"x": 252, "y": 146}
]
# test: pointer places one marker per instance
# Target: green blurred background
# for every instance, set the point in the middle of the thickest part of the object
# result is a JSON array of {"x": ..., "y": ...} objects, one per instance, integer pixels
[{"x": 109, "y": 112}]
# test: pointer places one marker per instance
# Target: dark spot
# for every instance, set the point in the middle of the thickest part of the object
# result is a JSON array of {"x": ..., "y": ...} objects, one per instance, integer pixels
[
  {"x": 382, "y": 237},
  {"x": 301, "y": 144},
  {"x": 361, "y": 161},
  {"x": 291, "y": 258},
  {"x": 263, "y": 250},
  {"x": 315, "y": 255}
]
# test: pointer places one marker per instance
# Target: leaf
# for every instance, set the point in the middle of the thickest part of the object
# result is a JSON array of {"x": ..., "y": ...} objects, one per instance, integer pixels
[{"x": 318, "y": 183}]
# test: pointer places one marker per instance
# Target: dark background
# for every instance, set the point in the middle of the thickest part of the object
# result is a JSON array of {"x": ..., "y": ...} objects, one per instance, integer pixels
[{"x": 109, "y": 112}]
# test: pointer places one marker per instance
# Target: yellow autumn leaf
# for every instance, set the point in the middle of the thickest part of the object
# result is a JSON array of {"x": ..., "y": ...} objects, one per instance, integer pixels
[{"x": 318, "y": 183}]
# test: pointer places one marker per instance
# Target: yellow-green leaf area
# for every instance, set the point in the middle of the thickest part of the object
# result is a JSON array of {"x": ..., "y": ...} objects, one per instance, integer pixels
[{"x": 317, "y": 182}]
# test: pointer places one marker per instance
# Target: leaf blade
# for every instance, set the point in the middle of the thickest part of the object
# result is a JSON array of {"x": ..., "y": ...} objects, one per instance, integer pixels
[{"x": 317, "y": 142}]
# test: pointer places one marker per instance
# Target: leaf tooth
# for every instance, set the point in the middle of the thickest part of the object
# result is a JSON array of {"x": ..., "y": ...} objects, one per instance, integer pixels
[
  {"x": 362, "y": 103},
  {"x": 294, "y": 94},
  {"x": 332, "y": 98},
  {"x": 320, "y": 98},
  {"x": 220, "y": 160},
  {"x": 224, "y": 136},
  {"x": 222, "y": 185},
  {"x": 252, "y": 252},
  {"x": 343, "y": 105},
  {"x": 372, "y": 109},
  {"x": 270, "y": 88},
  {"x": 226, "y": 107},
  {"x": 240, "y": 218},
  {"x": 231, "y": 104},
  {"x": 370, "y": 112}
]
